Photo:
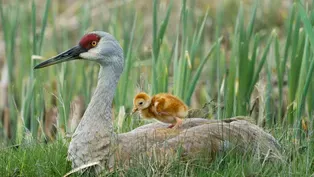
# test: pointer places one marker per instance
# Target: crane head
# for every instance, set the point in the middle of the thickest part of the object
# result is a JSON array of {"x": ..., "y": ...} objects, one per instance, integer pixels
[{"x": 96, "y": 46}]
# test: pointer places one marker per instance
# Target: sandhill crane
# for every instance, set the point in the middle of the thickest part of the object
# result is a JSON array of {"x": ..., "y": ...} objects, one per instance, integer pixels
[{"x": 95, "y": 141}]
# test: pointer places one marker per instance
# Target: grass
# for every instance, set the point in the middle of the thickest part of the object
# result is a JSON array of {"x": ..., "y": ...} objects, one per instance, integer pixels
[
  {"x": 34, "y": 160},
  {"x": 37, "y": 159},
  {"x": 195, "y": 51}
]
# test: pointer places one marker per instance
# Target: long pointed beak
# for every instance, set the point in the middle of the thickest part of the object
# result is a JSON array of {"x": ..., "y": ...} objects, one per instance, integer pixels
[{"x": 71, "y": 54}]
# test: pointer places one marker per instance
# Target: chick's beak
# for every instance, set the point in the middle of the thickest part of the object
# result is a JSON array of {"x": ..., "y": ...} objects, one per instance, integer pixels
[
  {"x": 134, "y": 110},
  {"x": 71, "y": 54}
]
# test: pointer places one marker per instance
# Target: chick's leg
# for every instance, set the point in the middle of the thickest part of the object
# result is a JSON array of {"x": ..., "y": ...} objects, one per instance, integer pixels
[
  {"x": 178, "y": 123},
  {"x": 167, "y": 114},
  {"x": 171, "y": 126}
]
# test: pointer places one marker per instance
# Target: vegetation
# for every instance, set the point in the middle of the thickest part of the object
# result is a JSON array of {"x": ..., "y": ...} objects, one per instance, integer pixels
[{"x": 243, "y": 59}]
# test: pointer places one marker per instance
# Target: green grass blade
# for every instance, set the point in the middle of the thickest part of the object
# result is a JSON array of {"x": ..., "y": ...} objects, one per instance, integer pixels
[
  {"x": 155, "y": 44},
  {"x": 196, "y": 43},
  {"x": 268, "y": 111},
  {"x": 300, "y": 95},
  {"x": 128, "y": 63},
  {"x": 288, "y": 40},
  {"x": 309, "y": 31},
  {"x": 198, "y": 72},
  {"x": 307, "y": 25},
  {"x": 260, "y": 65},
  {"x": 252, "y": 20},
  {"x": 280, "y": 78},
  {"x": 295, "y": 61},
  {"x": 231, "y": 80},
  {"x": 163, "y": 27},
  {"x": 44, "y": 24},
  {"x": 242, "y": 66},
  {"x": 199, "y": 34},
  {"x": 252, "y": 61},
  {"x": 168, "y": 62}
]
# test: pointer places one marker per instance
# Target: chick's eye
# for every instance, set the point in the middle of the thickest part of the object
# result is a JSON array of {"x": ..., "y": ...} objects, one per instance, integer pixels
[
  {"x": 94, "y": 43},
  {"x": 140, "y": 103}
]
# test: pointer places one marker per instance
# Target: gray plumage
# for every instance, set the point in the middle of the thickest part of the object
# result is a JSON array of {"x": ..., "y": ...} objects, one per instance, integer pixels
[
  {"x": 91, "y": 140},
  {"x": 94, "y": 139}
]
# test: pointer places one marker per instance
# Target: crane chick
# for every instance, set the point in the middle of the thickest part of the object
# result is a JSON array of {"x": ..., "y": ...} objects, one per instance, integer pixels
[{"x": 164, "y": 107}]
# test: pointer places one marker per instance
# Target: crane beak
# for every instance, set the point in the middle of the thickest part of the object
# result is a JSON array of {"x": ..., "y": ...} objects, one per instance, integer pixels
[{"x": 71, "y": 54}]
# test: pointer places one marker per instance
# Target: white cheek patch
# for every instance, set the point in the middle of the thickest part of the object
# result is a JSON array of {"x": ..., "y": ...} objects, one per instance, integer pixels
[
  {"x": 89, "y": 55},
  {"x": 94, "y": 50}
]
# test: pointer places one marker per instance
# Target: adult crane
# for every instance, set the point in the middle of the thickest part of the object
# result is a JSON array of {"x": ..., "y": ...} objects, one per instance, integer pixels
[{"x": 94, "y": 140}]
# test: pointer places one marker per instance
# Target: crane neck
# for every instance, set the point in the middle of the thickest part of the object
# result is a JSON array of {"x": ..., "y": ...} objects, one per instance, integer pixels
[{"x": 98, "y": 112}]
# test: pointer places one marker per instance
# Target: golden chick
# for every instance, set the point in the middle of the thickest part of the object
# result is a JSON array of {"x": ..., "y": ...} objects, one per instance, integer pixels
[{"x": 164, "y": 107}]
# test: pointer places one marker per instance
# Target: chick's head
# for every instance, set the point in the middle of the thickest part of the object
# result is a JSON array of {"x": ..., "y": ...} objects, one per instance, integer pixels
[{"x": 141, "y": 101}]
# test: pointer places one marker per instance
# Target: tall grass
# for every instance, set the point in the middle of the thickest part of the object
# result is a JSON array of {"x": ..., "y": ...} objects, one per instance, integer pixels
[
  {"x": 9, "y": 26},
  {"x": 245, "y": 65}
]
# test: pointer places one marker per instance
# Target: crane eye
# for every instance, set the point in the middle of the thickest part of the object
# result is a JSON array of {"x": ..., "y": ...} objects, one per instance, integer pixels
[
  {"x": 140, "y": 103},
  {"x": 94, "y": 43}
]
